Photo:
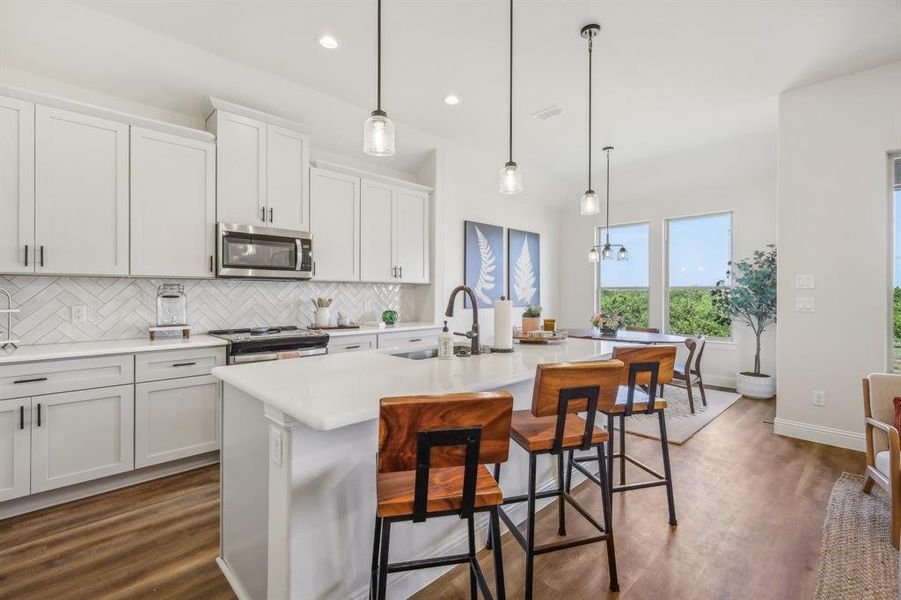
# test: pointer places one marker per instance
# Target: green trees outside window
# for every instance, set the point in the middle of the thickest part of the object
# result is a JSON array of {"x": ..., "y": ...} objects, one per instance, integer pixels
[
  {"x": 632, "y": 305},
  {"x": 692, "y": 311}
]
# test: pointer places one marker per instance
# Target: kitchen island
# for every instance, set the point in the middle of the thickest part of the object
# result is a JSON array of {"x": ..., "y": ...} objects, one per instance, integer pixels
[{"x": 298, "y": 464}]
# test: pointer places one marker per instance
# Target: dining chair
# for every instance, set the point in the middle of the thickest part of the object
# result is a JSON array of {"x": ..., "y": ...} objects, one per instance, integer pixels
[
  {"x": 688, "y": 373},
  {"x": 644, "y": 329},
  {"x": 884, "y": 451},
  {"x": 431, "y": 463}
]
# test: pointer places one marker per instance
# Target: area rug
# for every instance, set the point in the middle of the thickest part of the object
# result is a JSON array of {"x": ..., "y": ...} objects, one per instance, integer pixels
[
  {"x": 681, "y": 424},
  {"x": 858, "y": 560}
]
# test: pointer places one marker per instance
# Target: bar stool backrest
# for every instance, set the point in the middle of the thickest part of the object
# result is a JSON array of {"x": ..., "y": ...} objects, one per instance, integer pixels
[
  {"x": 552, "y": 379},
  {"x": 665, "y": 356}
]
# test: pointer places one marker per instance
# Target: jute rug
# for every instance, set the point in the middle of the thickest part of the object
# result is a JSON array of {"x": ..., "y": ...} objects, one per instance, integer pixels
[
  {"x": 681, "y": 424},
  {"x": 858, "y": 560}
]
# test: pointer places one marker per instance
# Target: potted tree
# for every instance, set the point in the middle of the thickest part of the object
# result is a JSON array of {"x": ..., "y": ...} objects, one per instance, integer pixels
[
  {"x": 531, "y": 315},
  {"x": 751, "y": 299}
]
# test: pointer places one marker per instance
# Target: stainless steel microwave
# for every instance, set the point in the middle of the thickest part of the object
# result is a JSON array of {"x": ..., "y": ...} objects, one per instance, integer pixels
[{"x": 263, "y": 252}]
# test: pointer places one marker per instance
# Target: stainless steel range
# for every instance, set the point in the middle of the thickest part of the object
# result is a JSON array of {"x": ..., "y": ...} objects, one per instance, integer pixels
[{"x": 271, "y": 343}]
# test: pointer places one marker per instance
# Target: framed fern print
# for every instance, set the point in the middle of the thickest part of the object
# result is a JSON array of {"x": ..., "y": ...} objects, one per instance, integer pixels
[
  {"x": 524, "y": 268},
  {"x": 483, "y": 262}
]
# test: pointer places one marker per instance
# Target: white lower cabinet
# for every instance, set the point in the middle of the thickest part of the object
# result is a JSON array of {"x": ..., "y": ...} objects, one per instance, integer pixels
[
  {"x": 15, "y": 450},
  {"x": 175, "y": 418},
  {"x": 82, "y": 435},
  {"x": 351, "y": 343}
]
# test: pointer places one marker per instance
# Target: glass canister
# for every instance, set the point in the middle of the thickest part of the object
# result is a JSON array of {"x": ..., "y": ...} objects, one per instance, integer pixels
[{"x": 171, "y": 305}]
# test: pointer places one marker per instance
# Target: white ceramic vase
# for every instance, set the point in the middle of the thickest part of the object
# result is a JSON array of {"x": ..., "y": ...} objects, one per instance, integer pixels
[
  {"x": 761, "y": 387},
  {"x": 323, "y": 316}
]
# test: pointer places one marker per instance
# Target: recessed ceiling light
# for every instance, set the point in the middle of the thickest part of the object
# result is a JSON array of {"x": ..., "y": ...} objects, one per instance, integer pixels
[
  {"x": 452, "y": 99},
  {"x": 327, "y": 41}
]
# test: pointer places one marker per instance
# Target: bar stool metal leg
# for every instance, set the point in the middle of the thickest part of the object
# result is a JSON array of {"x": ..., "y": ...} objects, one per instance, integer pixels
[
  {"x": 561, "y": 501},
  {"x": 383, "y": 559},
  {"x": 622, "y": 450},
  {"x": 667, "y": 473},
  {"x": 473, "y": 589},
  {"x": 530, "y": 539},
  {"x": 569, "y": 471},
  {"x": 608, "y": 519},
  {"x": 495, "y": 533},
  {"x": 489, "y": 542},
  {"x": 373, "y": 583},
  {"x": 610, "y": 430}
]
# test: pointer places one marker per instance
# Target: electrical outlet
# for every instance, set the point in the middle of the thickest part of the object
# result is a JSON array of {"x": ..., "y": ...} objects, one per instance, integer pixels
[
  {"x": 275, "y": 446},
  {"x": 79, "y": 313},
  {"x": 819, "y": 398}
]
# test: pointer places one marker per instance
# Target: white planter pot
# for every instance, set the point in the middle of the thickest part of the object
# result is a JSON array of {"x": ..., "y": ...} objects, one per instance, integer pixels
[{"x": 761, "y": 387}]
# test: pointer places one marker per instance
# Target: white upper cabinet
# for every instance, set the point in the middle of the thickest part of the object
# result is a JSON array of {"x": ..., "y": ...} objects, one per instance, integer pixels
[
  {"x": 335, "y": 225},
  {"x": 411, "y": 235},
  {"x": 262, "y": 172},
  {"x": 287, "y": 164},
  {"x": 81, "y": 194},
  {"x": 395, "y": 233},
  {"x": 173, "y": 205},
  {"x": 16, "y": 187},
  {"x": 241, "y": 168},
  {"x": 15, "y": 448},
  {"x": 376, "y": 212}
]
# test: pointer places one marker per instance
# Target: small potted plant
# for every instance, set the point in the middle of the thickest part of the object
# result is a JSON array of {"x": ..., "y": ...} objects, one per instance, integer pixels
[
  {"x": 606, "y": 324},
  {"x": 751, "y": 299},
  {"x": 531, "y": 315}
]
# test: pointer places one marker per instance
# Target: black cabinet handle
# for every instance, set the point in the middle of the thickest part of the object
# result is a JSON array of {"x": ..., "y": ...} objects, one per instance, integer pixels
[
  {"x": 211, "y": 263},
  {"x": 26, "y": 255},
  {"x": 400, "y": 271},
  {"x": 35, "y": 380},
  {"x": 263, "y": 214},
  {"x": 186, "y": 364},
  {"x": 42, "y": 256},
  {"x": 351, "y": 347},
  {"x": 39, "y": 414},
  {"x": 314, "y": 268},
  {"x": 416, "y": 340},
  {"x": 21, "y": 416},
  {"x": 270, "y": 215}
]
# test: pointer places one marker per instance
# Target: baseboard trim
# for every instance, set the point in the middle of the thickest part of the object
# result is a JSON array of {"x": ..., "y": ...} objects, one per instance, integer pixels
[
  {"x": 27, "y": 504},
  {"x": 232, "y": 579},
  {"x": 830, "y": 436}
]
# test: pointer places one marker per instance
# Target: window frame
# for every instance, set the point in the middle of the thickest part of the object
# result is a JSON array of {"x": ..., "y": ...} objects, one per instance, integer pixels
[
  {"x": 892, "y": 188},
  {"x": 667, "y": 288},
  {"x": 597, "y": 267}
]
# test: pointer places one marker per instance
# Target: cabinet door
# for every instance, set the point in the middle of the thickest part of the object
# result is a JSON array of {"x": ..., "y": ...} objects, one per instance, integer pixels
[
  {"x": 411, "y": 235},
  {"x": 376, "y": 247},
  {"x": 173, "y": 205},
  {"x": 335, "y": 225},
  {"x": 241, "y": 169},
  {"x": 351, "y": 343},
  {"x": 287, "y": 192},
  {"x": 175, "y": 418},
  {"x": 16, "y": 186},
  {"x": 15, "y": 451},
  {"x": 79, "y": 436},
  {"x": 81, "y": 193}
]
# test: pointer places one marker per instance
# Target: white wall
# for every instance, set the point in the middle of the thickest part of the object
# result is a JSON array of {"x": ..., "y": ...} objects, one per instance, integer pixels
[
  {"x": 834, "y": 223},
  {"x": 737, "y": 175}
]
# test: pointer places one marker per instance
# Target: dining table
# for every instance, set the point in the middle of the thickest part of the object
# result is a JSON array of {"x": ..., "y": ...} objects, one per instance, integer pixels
[{"x": 628, "y": 337}]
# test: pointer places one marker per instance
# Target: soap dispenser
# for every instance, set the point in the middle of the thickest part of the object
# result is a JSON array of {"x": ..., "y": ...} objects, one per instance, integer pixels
[{"x": 445, "y": 343}]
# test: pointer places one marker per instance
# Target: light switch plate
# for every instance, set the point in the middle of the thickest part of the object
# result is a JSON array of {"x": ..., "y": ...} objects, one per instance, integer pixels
[
  {"x": 804, "y": 304},
  {"x": 805, "y": 282}
]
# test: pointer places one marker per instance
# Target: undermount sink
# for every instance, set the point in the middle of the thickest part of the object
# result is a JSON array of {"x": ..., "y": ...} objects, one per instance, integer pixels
[{"x": 425, "y": 353}]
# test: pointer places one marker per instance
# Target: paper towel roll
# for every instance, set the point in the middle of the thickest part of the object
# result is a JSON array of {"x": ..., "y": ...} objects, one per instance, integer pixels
[{"x": 503, "y": 324}]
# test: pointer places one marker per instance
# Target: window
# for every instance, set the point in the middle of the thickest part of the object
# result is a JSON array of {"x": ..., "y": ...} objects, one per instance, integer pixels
[
  {"x": 699, "y": 250},
  {"x": 896, "y": 295},
  {"x": 624, "y": 283}
]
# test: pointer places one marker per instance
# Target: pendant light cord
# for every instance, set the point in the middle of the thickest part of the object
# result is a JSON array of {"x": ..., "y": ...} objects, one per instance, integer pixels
[
  {"x": 590, "y": 44},
  {"x": 510, "y": 147},
  {"x": 608, "y": 197},
  {"x": 379, "y": 57}
]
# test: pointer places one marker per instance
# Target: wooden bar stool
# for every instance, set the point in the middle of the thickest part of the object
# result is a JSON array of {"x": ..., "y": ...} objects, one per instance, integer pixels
[
  {"x": 646, "y": 367},
  {"x": 551, "y": 427},
  {"x": 432, "y": 452}
]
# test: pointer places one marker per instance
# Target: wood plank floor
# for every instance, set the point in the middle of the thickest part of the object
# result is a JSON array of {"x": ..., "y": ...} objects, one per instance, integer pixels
[{"x": 750, "y": 507}]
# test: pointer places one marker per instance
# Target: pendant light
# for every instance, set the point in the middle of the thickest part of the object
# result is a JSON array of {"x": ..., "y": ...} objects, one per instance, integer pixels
[
  {"x": 511, "y": 177},
  {"x": 590, "y": 205},
  {"x": 606, "y": 250},
  {"x": 378, "y": 131}
]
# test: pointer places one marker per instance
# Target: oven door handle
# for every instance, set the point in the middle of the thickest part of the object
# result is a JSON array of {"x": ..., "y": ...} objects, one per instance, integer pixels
[{"x": 266, "y": 356}]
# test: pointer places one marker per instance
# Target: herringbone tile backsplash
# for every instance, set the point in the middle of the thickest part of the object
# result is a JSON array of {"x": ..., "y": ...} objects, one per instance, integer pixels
[{"x": 123, "y": 308}]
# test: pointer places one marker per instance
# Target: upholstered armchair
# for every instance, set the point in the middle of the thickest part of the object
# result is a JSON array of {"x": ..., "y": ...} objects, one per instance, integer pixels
[{"x": 883, "y": 446}]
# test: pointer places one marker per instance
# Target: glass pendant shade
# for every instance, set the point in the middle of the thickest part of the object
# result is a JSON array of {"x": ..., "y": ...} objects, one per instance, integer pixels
[
  {"x": 623, "y": 254},
  {"x": 510, "y": 179},
  {"x": 378, "y": 135},
  {"x": 593, "y": 255},
  {"x": 607, "y": 252},
  {"x": 590, "y": 204}
]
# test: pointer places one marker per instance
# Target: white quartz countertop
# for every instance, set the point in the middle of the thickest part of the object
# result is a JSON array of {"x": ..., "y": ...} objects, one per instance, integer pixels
[
  {"x": 104, "y": 347},
  {"x": 369, "y": 329},
  {"x": 336, "y": 390}
]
